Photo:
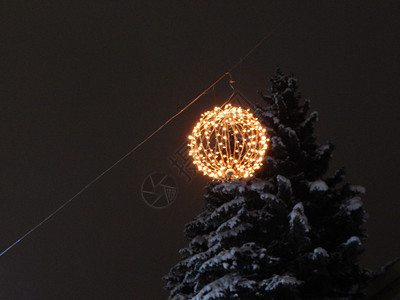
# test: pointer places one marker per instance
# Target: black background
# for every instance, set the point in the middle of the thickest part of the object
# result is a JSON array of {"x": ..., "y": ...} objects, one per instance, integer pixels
[{"x": 82, "y": 82}]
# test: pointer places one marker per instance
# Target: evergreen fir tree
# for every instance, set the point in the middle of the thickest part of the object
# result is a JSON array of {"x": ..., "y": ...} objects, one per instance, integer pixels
[{"x": 290, "y": 232}]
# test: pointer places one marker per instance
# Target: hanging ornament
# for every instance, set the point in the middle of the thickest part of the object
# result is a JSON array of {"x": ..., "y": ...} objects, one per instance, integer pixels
[{"x": 228, "y": 143}]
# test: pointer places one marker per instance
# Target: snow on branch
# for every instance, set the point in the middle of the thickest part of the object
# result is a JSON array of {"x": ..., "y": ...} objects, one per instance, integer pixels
[
  {"x": 290, "y": 138},
  {"x": 297, "y": 216},
  {"x": 230, "y": 188},
  {"x": 198, "y": 259},
  {"x": 232, "y": 223},
  {"x": 312, "y": 118},
  {"x": 272, "y": 201},
  {"x": 228, "y": 259},
  {"x": 218, "y": 289},
  {"x": 227, "y": 286},
  {"x": 260, "y": 186},
  {"x": 268, "y": 197},
  {"x": 318, "y": 186},
  {"x": 352, "y": 204},
  {"x": 274, "y": 282},
  {"x": 358, "y": 189},
  {"x": 228, "y": 206},
  {"x": 318, "y": 253},
  {"x": 324, "y": 150},
  {"x": 354, "y": 240},
  {"x": 273, "y": 120},
  {"x": 237, "y": 229},
  {"x": 284, "y": 187}
]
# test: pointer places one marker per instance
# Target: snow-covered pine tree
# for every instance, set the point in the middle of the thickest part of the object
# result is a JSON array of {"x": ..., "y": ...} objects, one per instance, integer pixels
[{"x": 290, "y": 232}]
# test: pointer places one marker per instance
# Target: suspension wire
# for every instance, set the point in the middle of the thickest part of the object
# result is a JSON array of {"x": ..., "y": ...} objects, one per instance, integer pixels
[
  {"x": 146, "y": 139},
  {"x": 257, "y": 45}
]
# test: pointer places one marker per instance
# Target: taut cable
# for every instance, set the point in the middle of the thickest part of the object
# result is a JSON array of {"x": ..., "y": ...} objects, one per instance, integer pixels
[{"x": 145, "y": 140}]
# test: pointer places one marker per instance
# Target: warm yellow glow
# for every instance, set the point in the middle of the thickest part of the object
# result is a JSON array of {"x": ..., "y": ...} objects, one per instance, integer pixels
[{"x": 228, "y": 143}]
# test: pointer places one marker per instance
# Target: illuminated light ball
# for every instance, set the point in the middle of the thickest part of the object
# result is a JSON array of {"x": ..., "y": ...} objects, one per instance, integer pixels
[{"x": 228, "y": 143}]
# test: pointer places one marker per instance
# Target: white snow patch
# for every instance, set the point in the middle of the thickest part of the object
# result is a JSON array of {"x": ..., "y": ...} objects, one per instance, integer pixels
[
  {"x": 230, "y": 187},
  {"x": 352, "y": 204},
  {"x": 219, "y": 259},
  {"x": 287, "y": 90},
  {"x": 217, "y": 236},
  {"x": 258, "y": 186},
  {"x": 248, "y": 284},
  {"x": 224, "y": 208},
  {"x": 322, "y": 149},
  {"x": 268, "y": 197},
  {"x": 312, "y": 117},
  {"x": 271, "y": 116},
  {"x": 202, "y": 256},
  {"x": 318, "y": 186},
  {"x": 180, "y": 297},
  {"x": 277, "y": 280},
  {"x": 284, "y": 186},
  {"x": 228, "y": 258},
  {"x": 277, "y": 143},
  {"x": 255, "y": 267},
  {"x": 297, "y": 215},
  {"x": 318, "y": 252},
  {"x": 352, "y": 240},
  {"x": 357, "y": 189},
  {"x": 283, "y": 181},
  {"x": 224, "y": 287},
  {"x": 271, "y": 200},
  {"x": 291, "y": 134},
  {"x": 215, "y": 289},
  {"x": 230, "y": 224}
]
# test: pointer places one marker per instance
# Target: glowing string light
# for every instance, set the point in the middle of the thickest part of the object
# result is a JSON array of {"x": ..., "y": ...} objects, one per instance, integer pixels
[{"x": 228, "y": 143}]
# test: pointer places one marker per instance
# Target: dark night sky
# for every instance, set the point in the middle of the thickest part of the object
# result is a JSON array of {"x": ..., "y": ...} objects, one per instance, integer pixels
[{"x": 83, "y": 82}]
